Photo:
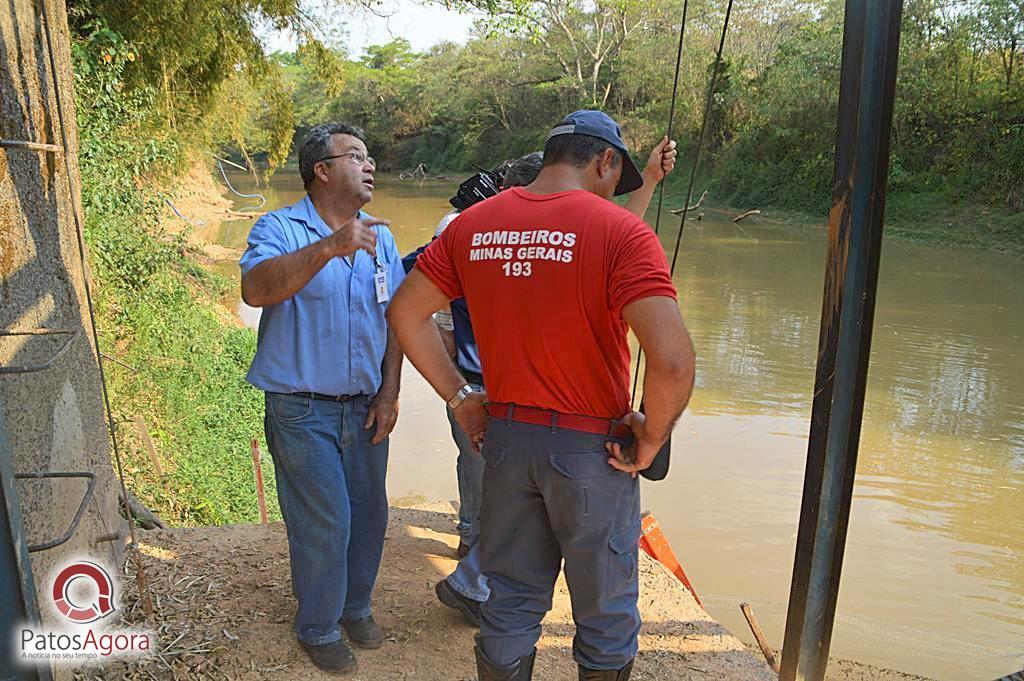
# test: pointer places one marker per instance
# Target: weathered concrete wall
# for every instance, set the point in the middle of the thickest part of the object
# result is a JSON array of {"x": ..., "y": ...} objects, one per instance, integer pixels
[{"x": 53, "y": 419}]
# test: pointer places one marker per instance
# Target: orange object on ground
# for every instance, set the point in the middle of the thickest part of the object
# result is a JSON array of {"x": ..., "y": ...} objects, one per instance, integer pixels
[
  {"x": 258, "y": 470},
  {"x": 654, "y": 543}
]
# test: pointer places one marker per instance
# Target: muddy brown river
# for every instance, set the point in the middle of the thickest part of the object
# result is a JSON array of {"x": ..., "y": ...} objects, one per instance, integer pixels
[{"x": 933, "y": 580}]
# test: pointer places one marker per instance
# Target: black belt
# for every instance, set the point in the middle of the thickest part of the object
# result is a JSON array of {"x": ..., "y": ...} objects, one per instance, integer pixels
[
  {"x": 472, "y": 376},
  {"x": 326, "y": 398}
]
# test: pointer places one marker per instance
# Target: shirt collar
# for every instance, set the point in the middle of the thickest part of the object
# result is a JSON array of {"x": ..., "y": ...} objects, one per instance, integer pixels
[{"x": 305, "y": 212}]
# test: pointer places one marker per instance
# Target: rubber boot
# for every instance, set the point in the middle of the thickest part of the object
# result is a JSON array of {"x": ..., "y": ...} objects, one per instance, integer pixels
[
  {"x": 606, "y": 674},
  {"x": 520, "y": 670}
]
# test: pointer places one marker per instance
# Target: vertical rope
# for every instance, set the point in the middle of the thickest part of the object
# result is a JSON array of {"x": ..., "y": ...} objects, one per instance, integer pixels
[
  {"x": 696, "y": 155},
  {"x": 700, "y": 140},
  {"x": 661, "y": 187}
]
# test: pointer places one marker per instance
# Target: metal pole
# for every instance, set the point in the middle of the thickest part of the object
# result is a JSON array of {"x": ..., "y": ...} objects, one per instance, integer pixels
[
  {"x": 18, "y": 604},
  {"x": 866, "y": 93}
]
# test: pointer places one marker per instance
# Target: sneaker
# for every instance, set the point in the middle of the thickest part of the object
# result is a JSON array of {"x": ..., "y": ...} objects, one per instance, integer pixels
[
  {"x": 333, "y": 658},
  {"x": 364, "y": 633},
  {"x": 448, "y": 596}
]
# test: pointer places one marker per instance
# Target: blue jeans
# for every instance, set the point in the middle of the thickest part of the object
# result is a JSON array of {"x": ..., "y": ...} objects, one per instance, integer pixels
[
  {"x": 550, "y": 496},
  {"x": 330, "y": 486},
  {"x": 467, "y": 578},
  {"x": 469, "y": 470}
]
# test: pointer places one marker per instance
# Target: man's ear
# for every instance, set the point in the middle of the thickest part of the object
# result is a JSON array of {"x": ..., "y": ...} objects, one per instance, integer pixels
[
  {"x": 605, "y": 162},
  {"x": 320, "y": 170}
]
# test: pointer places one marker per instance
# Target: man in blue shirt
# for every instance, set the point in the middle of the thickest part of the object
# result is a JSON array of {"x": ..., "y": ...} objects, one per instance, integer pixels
[{"x": 323, "y": 272}]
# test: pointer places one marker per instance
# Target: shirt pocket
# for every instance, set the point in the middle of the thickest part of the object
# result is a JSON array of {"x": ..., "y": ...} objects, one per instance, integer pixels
[{"x": 322, "y": 284}]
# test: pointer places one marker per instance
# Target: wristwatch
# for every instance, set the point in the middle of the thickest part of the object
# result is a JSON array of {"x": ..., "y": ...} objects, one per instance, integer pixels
[{"x": 464, "y": 392}]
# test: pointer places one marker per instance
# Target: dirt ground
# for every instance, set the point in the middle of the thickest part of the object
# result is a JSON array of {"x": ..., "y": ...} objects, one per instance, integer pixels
[{"x": 223, "y": 610}]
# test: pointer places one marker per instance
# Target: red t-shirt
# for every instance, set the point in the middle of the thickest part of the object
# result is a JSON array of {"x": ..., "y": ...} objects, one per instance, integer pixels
[{"x": 546, "y": 277}]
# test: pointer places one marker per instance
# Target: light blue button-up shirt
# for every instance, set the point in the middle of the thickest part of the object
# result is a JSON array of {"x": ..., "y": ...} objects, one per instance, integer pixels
[{"x": 330, "y": 336}]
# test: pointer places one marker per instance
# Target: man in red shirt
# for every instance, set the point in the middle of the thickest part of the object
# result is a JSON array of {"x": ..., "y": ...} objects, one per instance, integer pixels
[{"x": 555, "y": 275}]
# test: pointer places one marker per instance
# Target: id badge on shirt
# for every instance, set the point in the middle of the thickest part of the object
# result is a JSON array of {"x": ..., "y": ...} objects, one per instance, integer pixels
[{"x": 380, "y": 282}]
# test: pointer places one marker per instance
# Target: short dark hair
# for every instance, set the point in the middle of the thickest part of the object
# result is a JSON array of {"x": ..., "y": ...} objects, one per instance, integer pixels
[
  {"x": 576, "y": 150},
  {"x": 318, "y": 144},
  {"x": 523, "y": 170}
]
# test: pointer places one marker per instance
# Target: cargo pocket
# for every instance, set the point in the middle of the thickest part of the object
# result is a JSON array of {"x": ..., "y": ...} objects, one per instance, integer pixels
[{"x": 622, "y": 559}]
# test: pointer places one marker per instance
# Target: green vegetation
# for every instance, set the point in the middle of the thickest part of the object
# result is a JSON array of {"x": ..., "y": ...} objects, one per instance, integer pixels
[
  {"x": 158, "y": 310},
  {"x": 160, "y": 85}
]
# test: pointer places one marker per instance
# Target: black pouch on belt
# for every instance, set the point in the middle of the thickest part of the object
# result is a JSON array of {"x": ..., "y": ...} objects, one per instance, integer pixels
[{"x": 659, "y": 467}]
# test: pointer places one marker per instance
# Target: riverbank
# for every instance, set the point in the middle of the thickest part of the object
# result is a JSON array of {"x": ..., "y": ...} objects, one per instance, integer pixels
[
  {"x": 177, "y": 359},
  {"x": 198, "y": 203},
  {"x": 929, "y": 218},
  {"x": 223, "y": 610}
]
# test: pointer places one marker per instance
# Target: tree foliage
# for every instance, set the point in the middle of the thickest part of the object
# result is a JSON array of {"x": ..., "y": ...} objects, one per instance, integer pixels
[{"x": 958, "y": 122}]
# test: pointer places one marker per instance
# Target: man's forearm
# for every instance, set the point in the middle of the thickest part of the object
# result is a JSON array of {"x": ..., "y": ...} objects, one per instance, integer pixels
[
  {"x": 671, "y": 361},
  {"x": 667, "y": 390},
  {"x": 278, "y": 279},
  {"x": 448, "y": 338},
  {"x": 640, "y": 199},
  {"x": 391, "y": 368},
  {"x": 422, "y": 344}
]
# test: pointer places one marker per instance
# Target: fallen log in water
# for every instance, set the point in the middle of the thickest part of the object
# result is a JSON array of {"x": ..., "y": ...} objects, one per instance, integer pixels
[{"x": 679, "y": 211}]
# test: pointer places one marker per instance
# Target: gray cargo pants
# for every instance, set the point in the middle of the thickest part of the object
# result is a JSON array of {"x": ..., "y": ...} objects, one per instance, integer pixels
[{"x": 549, "y": 495}]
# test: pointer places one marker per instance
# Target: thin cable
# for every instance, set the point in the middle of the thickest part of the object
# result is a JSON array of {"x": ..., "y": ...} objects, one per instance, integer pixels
[
  {"x": 197, "y": 223},
  {"x": 262, "y": 198},
  {"x": 696, "y": 156},
  {"x": 661, "y": 186},
  {"x": 672, "y": 108},
  {"x": 700, "y": 140},
  {"x": 140, "y": 574}
]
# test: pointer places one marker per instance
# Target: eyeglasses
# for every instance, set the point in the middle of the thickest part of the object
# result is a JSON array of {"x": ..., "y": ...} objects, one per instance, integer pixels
[{"x": 357, "y": 157}]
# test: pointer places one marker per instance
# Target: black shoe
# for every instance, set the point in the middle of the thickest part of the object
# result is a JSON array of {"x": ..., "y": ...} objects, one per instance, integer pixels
[
  {"x": 333, "y": 658},
  {"x": 606, "y": 674},
  {"x": 364, "y": 633},
  {"x": 520, "y": 670},
  {"x": 448, "y": 596}
]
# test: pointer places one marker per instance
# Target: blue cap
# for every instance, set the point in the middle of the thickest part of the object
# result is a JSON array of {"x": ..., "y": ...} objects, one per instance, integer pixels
[{"x": 600, "y": 125}]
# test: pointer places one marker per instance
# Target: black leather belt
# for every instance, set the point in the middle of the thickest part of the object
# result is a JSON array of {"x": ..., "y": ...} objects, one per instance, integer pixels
[{"x": 326, "y": 398}]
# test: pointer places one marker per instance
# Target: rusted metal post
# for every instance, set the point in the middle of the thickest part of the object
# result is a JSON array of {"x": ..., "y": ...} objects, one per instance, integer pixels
[
  {"x": 866, "y": 94},
  {"x": 762, "y": 643},
  {"x": 30, "y": 146},
  {"x": 18, "y": 602}
]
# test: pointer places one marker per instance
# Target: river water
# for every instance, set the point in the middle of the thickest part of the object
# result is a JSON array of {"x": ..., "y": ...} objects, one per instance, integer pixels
[{"x": 933, "y": 580}]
